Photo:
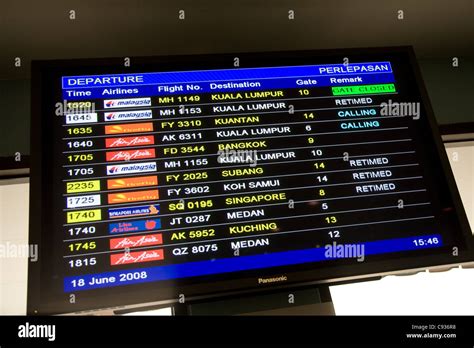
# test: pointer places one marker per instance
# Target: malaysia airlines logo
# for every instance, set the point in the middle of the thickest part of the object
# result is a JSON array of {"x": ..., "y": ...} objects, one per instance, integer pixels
[
  {"x": 127, "y": 115},
  {"x": 126, "y": 103},
  {"x": 131, "y": 168}
]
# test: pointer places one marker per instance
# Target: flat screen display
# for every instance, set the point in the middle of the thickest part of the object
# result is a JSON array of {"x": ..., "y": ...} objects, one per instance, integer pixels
[{"x": 160, "y": 177}]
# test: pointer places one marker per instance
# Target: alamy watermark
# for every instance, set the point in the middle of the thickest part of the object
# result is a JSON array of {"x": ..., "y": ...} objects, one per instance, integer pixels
[
  {"x": 66, "y": 108},
  {"x": 345, "y": 251},
  {"x": 238, "y": 157},
  {"x": 12, "y": 250},
  {"x": 28, "y": 330},
  {"x": 391, "y": 108}
]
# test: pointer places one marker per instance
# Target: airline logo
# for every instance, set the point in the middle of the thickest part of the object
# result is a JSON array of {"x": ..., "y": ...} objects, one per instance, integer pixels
[
  {"x": 129, "y": 128},
  {"x": 113, "y": 184},
  {"x": 137, "y": 257},
  {"x": 135, "y": 226},
  {"x": 129, "y": 197},
  {"x": 129, "y": 155},
  {"x": 130, "y": 141},
  {"x": 119, "y": 169},
  {"x": 141, "y": 210},
  {"x": 127, "y": 115},
  {"x": 136, "y": 241},
  {"x": 126, "y": 103}
]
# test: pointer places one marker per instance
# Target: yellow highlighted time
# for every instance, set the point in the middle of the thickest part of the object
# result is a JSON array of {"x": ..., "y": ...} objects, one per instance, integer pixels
[
  {"x": 83, "y": 186},
  {"x": 84, "y": 216}
]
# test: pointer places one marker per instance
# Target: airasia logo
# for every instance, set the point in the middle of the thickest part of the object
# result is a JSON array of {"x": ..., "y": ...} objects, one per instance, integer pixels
[
  {"x": 129, "y": 141},
  {"x": 136, "y": 257},
  {"x": 136, "y": 241},
  {"x": 130, "y": 155}
]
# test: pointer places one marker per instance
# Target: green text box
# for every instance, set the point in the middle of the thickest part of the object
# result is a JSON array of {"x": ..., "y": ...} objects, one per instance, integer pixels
[{"x": 364, "y": 89}]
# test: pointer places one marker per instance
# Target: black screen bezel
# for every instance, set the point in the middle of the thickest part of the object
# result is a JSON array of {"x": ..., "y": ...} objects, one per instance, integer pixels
[{"x": 42, "y": 76}]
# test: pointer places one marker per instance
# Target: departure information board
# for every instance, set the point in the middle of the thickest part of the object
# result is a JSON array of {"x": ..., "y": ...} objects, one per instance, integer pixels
[{"x": 194, "y": 175}]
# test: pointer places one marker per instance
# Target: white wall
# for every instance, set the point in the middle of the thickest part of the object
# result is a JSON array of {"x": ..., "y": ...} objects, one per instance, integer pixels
[
  {"x": 444, "y": 293},
  {"x": 421, "y": 294},
  {"x": 13, "y": 230}
]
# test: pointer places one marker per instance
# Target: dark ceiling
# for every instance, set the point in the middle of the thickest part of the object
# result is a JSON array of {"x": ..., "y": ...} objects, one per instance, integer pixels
[{"x": 35, "y": 29}]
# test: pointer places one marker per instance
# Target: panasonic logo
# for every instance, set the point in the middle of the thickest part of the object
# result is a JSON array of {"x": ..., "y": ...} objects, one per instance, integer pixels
[
  {"x": 282, "y": 278},
  {"x": 125, "y": 103}
]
